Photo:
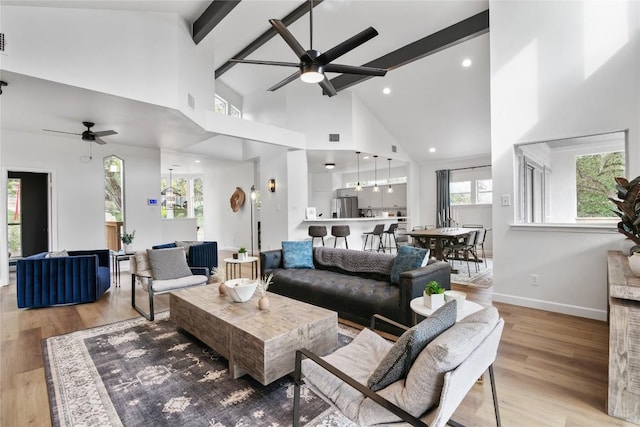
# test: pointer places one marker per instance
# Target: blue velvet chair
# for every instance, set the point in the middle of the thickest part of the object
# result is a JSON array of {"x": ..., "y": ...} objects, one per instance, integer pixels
[
  {"x": 83, "y": 276},
  {"x": 201, "y": 254}
]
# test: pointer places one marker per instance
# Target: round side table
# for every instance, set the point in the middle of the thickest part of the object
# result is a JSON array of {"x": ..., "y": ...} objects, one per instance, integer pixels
[
  {"x": 234, "y": 267},
  {"x": 418, "y": 307}
]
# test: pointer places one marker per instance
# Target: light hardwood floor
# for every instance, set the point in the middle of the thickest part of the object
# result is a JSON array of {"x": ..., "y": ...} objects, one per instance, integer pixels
[{"x": 551, "y": 369}]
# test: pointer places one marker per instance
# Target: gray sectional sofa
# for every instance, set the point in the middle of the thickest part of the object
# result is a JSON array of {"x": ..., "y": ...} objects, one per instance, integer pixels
[{"x": 356, "y": 284}]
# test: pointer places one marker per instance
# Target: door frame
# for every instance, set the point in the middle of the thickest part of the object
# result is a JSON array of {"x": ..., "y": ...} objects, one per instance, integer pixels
[{"x": 52, "y": 216}]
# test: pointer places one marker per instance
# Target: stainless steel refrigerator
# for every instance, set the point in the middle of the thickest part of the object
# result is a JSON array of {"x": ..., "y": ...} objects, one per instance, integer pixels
[{"x": 347, "y": 207}]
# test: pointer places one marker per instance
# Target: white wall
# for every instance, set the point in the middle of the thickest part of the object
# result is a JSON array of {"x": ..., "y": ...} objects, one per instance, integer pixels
[
  {"x": 78, "y": 188},
  {"x": 129, "y": 54},
  {"x": 558, "y": 69}
]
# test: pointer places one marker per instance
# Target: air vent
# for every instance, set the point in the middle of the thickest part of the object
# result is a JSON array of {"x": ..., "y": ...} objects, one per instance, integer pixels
[
  {"x": 334, "y": 137},
  {"x": 1, "y": 42},
  {"x": 191, "y": 101},
  {"x": 394, "y": 149}
]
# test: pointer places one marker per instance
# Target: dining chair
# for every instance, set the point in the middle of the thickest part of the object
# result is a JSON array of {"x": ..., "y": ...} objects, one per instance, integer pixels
[
  {"x": 482, "y": 235},
  {"x": 463, "y": 250}
]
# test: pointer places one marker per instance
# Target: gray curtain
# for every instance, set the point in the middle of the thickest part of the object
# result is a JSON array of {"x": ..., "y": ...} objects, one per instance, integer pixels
[{"x": 443, "y": 203}]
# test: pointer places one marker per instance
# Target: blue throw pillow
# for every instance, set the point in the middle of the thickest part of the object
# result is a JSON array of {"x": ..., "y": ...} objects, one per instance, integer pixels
[
  {"x": 408, "y": 258},
  {"x": 297, "y": 254}
]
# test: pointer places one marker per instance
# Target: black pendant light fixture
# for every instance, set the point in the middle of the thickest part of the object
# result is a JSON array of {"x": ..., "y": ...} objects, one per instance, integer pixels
[
  {"x": 389, "y": 189},
  {"x": 358, "y": 186},
  {"x": 376, "y": 189}
]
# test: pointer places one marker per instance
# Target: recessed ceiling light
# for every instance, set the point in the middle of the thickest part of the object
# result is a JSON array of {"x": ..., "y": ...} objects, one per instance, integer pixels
[
  {"x": 196, "y": 161},
  {"x": 366, "y": 157},
  {"x": 466, "y": 62},
  {"x": 386, "y": 91},
  {"x": 329, "y": 165},
  {"x": 432, "y": 150}
]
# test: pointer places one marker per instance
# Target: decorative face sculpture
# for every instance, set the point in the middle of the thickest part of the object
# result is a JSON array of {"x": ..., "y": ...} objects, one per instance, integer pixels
[{"x": 237, "y": 199}]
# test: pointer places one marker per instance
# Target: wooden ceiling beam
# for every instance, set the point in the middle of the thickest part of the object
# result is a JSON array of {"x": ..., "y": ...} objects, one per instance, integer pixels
[
  {"x": 299, "y": 12},
  {"x": 433, "y": 43},
  {"x": 211, "y": 17}
]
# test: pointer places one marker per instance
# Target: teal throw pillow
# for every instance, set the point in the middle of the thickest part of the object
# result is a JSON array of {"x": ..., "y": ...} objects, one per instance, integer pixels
[
  {"x": 297, "y": 254},
  {"x": 408, "y": 258}
]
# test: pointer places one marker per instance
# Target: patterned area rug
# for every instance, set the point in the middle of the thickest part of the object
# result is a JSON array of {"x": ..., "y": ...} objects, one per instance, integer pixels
[
  {"x": 140, "y": 373},
  {"x": 483, "y": 278}
]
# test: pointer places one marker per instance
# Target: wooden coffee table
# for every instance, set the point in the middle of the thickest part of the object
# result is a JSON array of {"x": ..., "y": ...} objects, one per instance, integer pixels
[{"x": 261, "y": 343}]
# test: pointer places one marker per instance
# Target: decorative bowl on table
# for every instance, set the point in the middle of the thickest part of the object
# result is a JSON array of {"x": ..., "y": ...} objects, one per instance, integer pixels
[
  {"x": 241, "y": 290},
  {"x": 457, "y": 295}
]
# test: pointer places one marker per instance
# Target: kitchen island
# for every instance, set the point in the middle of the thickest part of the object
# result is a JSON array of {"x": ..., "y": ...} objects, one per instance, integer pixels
[{"x": 357, "y": 226}]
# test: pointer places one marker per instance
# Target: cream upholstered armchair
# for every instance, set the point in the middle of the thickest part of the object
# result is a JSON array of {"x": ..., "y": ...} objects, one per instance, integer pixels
[
  {"x": 421, "y": 379},
  {"x": 160, "y": 271}
]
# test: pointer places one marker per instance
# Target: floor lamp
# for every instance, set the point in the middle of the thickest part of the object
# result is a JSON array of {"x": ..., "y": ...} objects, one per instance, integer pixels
[{"x": 253, "y": 199}]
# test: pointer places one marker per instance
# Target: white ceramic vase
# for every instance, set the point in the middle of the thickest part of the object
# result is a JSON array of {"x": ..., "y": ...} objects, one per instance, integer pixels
[
  {"x": 433, "y": 301},
  {"x": 128, "y": 249},
  {"x": 626, "y": 245},
  {"x": 634, "y": 263}
]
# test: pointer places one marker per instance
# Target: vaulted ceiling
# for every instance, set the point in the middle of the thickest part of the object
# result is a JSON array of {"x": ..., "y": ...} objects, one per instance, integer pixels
[{"x": 433, "y": 102}]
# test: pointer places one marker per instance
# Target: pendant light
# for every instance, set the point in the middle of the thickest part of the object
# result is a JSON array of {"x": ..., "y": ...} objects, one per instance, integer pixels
[
  {"x": 389, "y": 189},
  {"x": 358, "y": 186},
  {"x": 376, "y": 189}
]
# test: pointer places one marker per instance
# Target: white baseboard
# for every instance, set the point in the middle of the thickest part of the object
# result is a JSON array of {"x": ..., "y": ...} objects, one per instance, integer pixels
[{"x": 573, "y": 310}]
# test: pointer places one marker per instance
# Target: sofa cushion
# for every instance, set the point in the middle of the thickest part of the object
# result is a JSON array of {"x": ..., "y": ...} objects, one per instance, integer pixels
[
  {"x": 408, "y": 258},
  {"x": 41, "y": 255},
  {"x": 368, "y": 348},
  {"x": 404, "y": 352},
  {"x": 182, "y": 282},
  {"x": 297, "y": 254},
  {"x": 423, "y": 385},
  {"x": 57, "y": 254},
  {"x": 168, "y": 263}
]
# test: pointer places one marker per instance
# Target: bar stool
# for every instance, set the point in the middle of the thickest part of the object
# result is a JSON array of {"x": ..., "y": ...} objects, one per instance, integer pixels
[
  {"x": 389, "y": 234},
  {"x": 340, "y": 231},
  {"x": 317, "y": 231},
  {"x": 377, "y": 231}
]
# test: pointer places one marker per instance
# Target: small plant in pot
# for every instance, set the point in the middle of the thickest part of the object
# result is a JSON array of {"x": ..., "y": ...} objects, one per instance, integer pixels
[
  {"x": 628, "y": 209},
  {"x": 127, "y": 240},
  {"x": 242, "y": 253},
  {"x": 433, "y": 295}
]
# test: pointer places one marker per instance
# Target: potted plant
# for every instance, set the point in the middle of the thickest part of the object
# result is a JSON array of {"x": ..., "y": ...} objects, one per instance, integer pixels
[
  {"x": 433, "y": 295},
  {"x": 242, "y": 253},
  {"x": 127, "y": 240},
  {"x": 628, "y": 209}
]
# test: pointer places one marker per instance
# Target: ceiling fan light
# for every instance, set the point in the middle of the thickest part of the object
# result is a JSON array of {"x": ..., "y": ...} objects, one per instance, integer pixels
[
  {"x": 329, "y": 165},
  {"x": 311, "y": 73}
]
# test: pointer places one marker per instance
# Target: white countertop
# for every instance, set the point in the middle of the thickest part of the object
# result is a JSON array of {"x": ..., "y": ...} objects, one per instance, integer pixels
[{"x": 362, "y": 219}]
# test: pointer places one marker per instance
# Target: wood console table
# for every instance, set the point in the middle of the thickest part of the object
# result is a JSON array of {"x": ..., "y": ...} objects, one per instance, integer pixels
[{"x": 624, "y": 339}]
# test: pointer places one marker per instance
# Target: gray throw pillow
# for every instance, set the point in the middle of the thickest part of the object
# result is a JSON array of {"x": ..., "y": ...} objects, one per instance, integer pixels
[
  {"x": 168, "y": 264},
  {"x": 398, "y": 360},
  {"x": 58, "y": 254}
]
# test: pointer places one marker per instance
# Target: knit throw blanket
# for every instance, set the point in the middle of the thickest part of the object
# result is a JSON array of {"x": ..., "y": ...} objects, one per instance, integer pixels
[{"x": 353, "y": 261}]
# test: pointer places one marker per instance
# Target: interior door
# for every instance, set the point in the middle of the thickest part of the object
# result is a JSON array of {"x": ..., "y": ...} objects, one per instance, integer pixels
[{"x": 34, "y": 202}]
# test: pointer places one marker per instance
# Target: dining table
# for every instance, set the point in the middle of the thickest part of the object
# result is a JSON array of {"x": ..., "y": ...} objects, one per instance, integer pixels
[{"x": 439, "y": 235}]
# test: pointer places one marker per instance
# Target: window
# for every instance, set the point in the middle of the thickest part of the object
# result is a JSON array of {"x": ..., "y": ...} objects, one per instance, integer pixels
[
  {"x": 233, "y": 111},
  {"x": 568, "y": 181},
  {"x": 183, "y": 198},
  {"x": 222, "y": 106},
  {"x": 484, "y": 192},
  {"x": 14, "y": 218},
  {"x": 595, "y": 175},
  {"x": 460, "y": 192}
]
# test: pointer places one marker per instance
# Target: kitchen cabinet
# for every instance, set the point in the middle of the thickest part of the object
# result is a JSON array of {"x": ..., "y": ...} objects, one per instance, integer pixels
[{"x": 397, "y": 199}]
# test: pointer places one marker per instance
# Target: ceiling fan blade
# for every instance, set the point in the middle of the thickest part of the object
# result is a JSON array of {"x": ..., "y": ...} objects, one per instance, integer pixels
[
  {"x": 347, "y": 45},
  {"x": 327, "y": 87},
  {"x": 105, "y": 133},
  {"x": 286, "y": 81},
  {"x": 250, "y": 61},
  {"x": 351, "y": 69},
  {"x": 289, "y": 39},
  {"x": 59, "y": 131},
  {"x": 99, "y": 141}
]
